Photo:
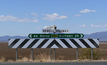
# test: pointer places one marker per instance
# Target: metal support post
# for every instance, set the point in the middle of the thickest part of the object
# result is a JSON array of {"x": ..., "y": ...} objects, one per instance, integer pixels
[
  {"x": 54, "y": 53},
  {"x": 16, "y": 54},
  {"x": 77, "y": 53},
  {"x": 91, "y": 53},
  {"x": 32, "y": 53},
  {"x": 54, "y": 48},
  {"x": 50, "y": 54}
]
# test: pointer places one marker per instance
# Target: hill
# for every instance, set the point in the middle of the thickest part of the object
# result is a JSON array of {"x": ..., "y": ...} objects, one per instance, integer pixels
[{"x": 102, "y": 36}]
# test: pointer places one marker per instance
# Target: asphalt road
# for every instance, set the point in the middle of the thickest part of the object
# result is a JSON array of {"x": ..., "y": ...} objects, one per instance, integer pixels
[{"x": 56, "y": 63}]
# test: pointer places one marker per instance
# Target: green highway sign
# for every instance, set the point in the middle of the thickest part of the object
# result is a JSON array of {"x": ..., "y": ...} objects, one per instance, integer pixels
[
  {"x": 55, "y": 35},
  {"x": 70, "y": 35},
  {"x": 39, "y": 35}
]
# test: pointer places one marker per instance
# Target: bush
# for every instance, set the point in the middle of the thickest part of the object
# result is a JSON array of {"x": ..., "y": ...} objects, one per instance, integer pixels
[
  {"x": 97, "y": 54},
  {"x": 86, "y": 54}
]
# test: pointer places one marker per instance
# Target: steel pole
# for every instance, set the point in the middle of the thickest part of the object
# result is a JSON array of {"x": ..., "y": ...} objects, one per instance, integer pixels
[
  {"x": 77, "y": 53},
  {"x": 16, "y": 54},
  {"x": 91, "y": 53},
  {"x": 54, "y": 53},
  {"x": 32, "y": 53},
  {"x": 54, "y": 48}
]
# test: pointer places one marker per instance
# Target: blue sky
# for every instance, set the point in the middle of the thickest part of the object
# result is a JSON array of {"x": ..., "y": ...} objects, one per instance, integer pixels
[{"x": 21, "y": 17}]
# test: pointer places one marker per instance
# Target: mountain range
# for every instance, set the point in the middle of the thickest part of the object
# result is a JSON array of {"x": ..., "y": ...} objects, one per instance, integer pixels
[{"x": 102, "y": 36}]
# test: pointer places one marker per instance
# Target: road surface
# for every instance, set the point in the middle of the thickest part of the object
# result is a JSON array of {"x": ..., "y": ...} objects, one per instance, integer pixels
[{"x": 56, "y": 63}]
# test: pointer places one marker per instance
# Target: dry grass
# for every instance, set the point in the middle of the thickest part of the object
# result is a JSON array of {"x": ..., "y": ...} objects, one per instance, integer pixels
[
  {"x": 25, "y": 59},
  {"x": 10, "y": 61},
  {"x": 2, "y": 59},
  {"x": 42, "y": 57}
]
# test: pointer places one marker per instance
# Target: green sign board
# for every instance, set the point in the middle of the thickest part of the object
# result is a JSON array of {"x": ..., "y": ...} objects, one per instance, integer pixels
[
  {"x": 39, "y": 35},
  {"x": 70, "y": 35},
  {"x": 55, "y": 35}
]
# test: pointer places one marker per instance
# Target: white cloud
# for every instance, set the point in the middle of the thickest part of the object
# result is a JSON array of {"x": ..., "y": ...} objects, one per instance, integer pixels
[
  {"x": 52, "y": 17},
  {"x": 105, "y": 25},
  {"x": 45, "y": 26},
  {"x": 16, "y": 19},
  {"x": 35, "y": 20},
  {"x": 96, "y": 25},
  {"x": 92, "y": 25},
  {"x": 99, "y": 25},
  {"x": 77, "y": 15},
  {"x": 34, "y": 14},
  {"x": 87, "y": 11},
  {"x": 82, "y": 25}
]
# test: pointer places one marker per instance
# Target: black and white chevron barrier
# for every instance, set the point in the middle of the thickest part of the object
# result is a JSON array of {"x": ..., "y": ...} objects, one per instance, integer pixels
[{"x": 53, "y": 43}]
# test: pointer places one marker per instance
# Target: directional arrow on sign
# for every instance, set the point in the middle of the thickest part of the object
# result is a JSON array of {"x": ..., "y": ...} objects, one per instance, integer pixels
[
  {"x": 82, "y": 35},
  {"x": 30, "y": 35}
]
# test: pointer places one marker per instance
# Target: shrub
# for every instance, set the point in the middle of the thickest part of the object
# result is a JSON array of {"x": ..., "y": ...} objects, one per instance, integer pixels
[
  {"x": 97, "y": 54},
  {"x": 86, "y": 53}
]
